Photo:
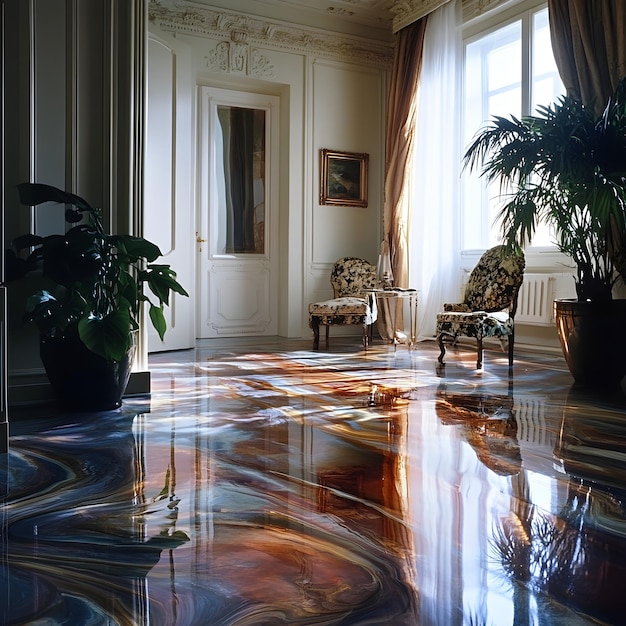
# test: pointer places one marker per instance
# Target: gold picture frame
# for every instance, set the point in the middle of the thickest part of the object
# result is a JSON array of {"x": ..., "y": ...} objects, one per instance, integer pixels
[{"x": 343, "y": 178}]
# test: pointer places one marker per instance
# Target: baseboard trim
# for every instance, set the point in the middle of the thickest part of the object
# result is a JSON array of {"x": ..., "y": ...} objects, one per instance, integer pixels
[
  {"x": 534, "y": 348},
  {"x": 34, "y": 389},
  {"x": 521, "y": 346}
]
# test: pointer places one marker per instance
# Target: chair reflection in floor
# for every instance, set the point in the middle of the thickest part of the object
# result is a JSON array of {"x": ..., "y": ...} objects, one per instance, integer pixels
[
  {"x": 489, "y": 305},
  {"x": 489, "y": 424}
]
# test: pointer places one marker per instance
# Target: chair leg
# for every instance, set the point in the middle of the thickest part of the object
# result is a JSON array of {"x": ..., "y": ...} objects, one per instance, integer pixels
[
  {"x": 368, "y": 335},
  {"x": 315, "y": 325},
  {"x": 327, "y": 335},
  {"x": 479, "y": 356},
  {"x": 511, "y": 344},
  {"x": 442, "y": 348}
]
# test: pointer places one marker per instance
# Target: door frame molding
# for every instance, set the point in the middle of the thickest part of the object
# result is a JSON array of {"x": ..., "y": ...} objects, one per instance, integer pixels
[{"x": 237, "y": 264}]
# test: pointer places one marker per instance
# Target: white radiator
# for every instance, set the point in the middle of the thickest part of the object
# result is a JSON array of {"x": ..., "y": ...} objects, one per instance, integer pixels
[{"x": 534, "y": 303}]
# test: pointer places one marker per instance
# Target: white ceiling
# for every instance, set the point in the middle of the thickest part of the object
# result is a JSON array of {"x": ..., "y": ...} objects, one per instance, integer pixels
[{"x": 367, "y": 18}]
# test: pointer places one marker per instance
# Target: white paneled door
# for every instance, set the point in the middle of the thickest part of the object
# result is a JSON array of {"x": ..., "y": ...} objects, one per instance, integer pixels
[
  {"x": 237, "y": 233},
  {"x": 168, "y": 189}
]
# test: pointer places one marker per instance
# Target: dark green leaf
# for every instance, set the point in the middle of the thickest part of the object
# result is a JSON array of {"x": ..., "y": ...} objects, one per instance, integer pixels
[
  {"x": 158, "y": 320},
  {"x": 72, "y": 216},
  {"x": 32, "y": 194},
  {"x": 15, "y": 267},
  {"x": 27, "y": 241},
  {"x": 161, "y": 280},
  {"x": 110, "y": 337},
  {"x": 37, "y": 299},
  {"x": 136, "y": 247}
]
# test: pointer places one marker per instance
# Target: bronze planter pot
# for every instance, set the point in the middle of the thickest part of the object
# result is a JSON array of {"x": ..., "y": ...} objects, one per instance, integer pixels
[{"x": 593, "y": 338}]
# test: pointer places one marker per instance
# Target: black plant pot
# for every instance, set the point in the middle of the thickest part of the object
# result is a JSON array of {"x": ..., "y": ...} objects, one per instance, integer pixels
[
  {"x": 593, "y": 338},
  {"x": 82, "y": 379}
]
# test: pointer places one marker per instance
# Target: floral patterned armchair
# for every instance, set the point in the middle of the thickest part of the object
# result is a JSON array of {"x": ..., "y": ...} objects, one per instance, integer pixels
[
  {"x": 351, "y": 278},
  {"x": 489, "y": 306}
]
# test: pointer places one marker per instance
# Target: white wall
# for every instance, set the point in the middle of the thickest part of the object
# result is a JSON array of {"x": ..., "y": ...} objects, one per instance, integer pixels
[
  {"x": 332, "y": 92},
  {"x": 347, "y": 107}
]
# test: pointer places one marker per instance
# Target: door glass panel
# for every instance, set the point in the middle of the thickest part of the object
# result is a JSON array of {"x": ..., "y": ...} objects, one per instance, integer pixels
[{"x": 240, "y": 179}]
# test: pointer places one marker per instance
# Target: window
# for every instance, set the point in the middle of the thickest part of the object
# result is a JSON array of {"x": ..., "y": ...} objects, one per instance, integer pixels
[{"x": 509, "y": 70}]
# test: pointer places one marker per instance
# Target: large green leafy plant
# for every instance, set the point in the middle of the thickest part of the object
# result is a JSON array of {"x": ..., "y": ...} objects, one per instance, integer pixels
[
  {"x": 566, "y": 168},
  {"x": 98, "y": 281}
]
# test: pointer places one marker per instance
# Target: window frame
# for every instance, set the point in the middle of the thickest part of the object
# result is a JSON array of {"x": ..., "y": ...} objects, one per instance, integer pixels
[{"x": 546, "y": 257}]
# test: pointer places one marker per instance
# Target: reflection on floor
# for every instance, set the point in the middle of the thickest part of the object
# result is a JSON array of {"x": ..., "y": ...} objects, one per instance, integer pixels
[{"x": 264, "y": 483}]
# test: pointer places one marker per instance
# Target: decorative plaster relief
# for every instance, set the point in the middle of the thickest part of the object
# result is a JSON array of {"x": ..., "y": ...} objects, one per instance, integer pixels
[
  {"x": 340, "y": 11},
  {"x": 259, "y": 64},
  {"x": 183, "y": 17},
  {"x": 235, "y": 57}
]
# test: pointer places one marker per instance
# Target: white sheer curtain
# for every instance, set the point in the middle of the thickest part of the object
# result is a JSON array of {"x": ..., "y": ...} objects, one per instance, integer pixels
[{"x": 435, "y": 171}]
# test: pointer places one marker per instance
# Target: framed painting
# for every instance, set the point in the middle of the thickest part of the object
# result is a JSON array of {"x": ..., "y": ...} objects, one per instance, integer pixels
[{"x": 343, "y": 178}]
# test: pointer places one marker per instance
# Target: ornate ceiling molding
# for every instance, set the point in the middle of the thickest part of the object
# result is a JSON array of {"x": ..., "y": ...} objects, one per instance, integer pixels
[
  {"x": 239, "y": 30},
  {"x": 408, "y": 11},
  {"x": 476, "y": 8}
]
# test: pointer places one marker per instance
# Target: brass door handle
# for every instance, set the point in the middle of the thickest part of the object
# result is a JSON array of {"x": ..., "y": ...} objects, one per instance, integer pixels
[{"x": 198, "y": 238}]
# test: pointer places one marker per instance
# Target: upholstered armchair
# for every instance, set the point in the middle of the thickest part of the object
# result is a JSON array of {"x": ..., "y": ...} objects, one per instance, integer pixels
[
  {"x": 351, "y": 278},
  {"x": 489, "y": 305}
]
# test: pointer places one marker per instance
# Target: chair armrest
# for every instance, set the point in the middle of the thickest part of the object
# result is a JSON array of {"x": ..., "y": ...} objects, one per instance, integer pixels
[{"x": 457, "y": 307}]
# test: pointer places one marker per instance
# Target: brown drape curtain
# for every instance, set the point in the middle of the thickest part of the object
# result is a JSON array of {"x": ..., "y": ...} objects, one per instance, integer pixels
[
  {"x": 407, "y": 64},
  {"x": 589, "y": 44}
]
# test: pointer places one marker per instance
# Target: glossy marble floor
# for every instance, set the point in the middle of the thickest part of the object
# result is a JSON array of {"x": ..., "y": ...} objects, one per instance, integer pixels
[{"x": 264, "y": 483}]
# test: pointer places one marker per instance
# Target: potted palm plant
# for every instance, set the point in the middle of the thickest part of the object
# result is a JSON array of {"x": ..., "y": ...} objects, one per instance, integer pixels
[
  {"x": 566, "y": 168},
  {"x": 88, "y": 314}
]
